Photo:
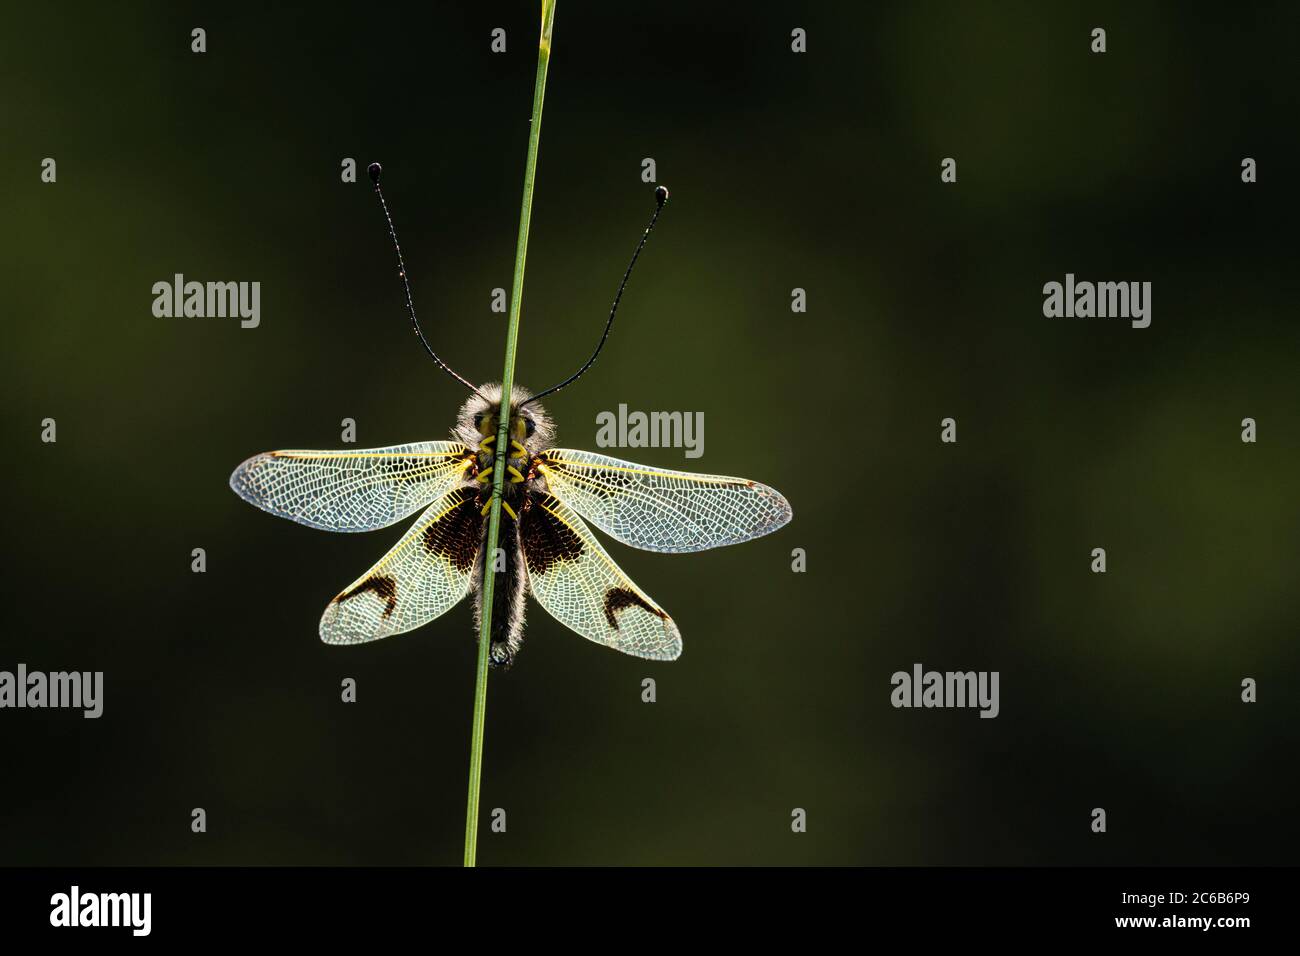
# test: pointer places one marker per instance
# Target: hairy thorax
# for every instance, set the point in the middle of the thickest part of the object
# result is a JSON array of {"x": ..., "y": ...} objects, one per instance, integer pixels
[{"x": 529, "y": 433}]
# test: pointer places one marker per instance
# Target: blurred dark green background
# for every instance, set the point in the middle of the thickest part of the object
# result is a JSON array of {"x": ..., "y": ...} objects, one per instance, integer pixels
[{"x": 818, "y": 171}]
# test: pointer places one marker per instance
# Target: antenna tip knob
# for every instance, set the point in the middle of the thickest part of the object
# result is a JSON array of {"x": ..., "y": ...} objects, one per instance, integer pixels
[
  {"x": 374, "y": 169},
  {"x": 661, "y": 195}
]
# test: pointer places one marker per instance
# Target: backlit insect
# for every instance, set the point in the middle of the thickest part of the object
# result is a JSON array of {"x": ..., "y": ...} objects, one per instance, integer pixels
[{"x": 545, "y": 547}]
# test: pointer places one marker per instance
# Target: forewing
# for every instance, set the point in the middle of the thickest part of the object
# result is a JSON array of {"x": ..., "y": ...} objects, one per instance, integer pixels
[
  {"x": 425, "y": 573},
  {"x": 661, "y": 510},
  {"x": 351, "y": 490},
  {"x": 580, "y": 585}
]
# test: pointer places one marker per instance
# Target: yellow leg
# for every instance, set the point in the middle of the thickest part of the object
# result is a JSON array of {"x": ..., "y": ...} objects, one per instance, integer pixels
[
  {"x": 510, "y": 511},
  {"x": 486, "y": 442},
  {"x": 515, "y": 476},
  {"x": 515, "y": 446},
  {"x": 486, "y": 473}
]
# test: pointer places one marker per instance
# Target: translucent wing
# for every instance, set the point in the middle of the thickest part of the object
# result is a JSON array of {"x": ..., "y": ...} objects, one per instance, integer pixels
[
  {"x": 351, "y": 490},
  {"x": 580, "y": 585},
  {"x": 425, "y": 574},
  {"x": 661, "y": 510}
]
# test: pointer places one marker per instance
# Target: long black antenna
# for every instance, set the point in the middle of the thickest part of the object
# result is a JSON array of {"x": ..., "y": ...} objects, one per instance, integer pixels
[
  {"x": 661, "y": 197},
  {"x": 374, "y": 170}
]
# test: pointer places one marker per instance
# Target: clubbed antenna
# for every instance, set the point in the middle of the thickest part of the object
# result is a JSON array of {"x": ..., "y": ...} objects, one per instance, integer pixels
[
  {"x": 661, "y": 197},
  {"x": 375, "y": 170}
]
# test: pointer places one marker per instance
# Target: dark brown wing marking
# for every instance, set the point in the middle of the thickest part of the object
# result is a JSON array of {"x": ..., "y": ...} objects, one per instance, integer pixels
[
  {"x": 546, "y": 540},
  {"x": 456, "y": 536},
  {"x": 385, "y": 588},
  {"x": 616, "y": 599}
]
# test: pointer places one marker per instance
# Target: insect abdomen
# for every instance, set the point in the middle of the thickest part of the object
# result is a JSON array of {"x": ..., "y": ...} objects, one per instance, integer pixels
[{"x": 506, "y": 564}]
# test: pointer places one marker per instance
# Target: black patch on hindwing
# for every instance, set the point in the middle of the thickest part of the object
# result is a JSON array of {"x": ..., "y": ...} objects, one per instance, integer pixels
[
  {"x": 456, "y": 535},
  {"x": 546, "y": 539},
  {"x": 385, "y": 588},
  {"x": 616, "y": 599}
]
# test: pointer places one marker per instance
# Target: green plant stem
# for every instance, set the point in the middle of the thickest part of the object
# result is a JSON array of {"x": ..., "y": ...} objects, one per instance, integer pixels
[{"x": 502, "y": 448}]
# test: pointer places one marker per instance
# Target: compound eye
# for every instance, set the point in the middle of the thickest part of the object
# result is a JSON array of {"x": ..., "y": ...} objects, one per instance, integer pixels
[
  {"x": 530, "y": 426},
  {"x": 478, "y": 421}
]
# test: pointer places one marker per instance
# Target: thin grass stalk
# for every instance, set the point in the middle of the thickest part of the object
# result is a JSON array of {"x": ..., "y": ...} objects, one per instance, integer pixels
[{"x": 498, "y": 473}]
